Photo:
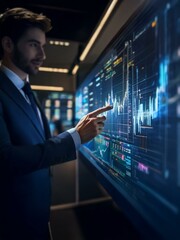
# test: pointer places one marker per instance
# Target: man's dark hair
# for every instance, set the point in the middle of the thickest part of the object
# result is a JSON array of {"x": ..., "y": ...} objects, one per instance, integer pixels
[{"x": 16, "y": 21}]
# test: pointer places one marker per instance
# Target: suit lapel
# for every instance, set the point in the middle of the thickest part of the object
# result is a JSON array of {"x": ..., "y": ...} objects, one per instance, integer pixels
[{"x": 7, "y": 86}]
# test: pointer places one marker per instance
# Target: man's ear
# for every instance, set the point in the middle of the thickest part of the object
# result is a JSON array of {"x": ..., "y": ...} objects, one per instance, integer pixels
[{"x": 7, "y": 44}]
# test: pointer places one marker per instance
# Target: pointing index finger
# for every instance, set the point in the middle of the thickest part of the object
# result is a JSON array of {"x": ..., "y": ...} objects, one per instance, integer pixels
[{"x": 100, "y": 110}]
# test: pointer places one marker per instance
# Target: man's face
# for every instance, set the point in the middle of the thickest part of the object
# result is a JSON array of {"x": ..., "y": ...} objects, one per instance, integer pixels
[{"x": 28, "y": 54}]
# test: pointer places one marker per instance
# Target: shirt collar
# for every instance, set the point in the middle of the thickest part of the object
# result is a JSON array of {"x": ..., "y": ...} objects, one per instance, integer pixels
[{"x": 15, "y": 79}]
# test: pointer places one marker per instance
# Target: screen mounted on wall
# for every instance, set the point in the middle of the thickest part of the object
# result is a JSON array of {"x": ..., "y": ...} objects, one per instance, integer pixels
[{"x": 137, "y": 156}]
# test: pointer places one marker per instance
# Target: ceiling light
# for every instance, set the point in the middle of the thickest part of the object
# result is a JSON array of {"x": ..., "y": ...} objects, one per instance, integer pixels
[
  {"x": 99, "y": 28},
  {"x": 66, "y": 44},
  {"x": 75, "y": 69},
  {"x": 61, "y": 43},
  {"x": 47, "y": 88},
  {"x": 58, "y": 70}
]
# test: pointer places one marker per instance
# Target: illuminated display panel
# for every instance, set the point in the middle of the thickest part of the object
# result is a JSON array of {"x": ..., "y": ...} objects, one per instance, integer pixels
[
  {"x": 138, "y": 152},
  {"x": 57, "y": 106},
  {"x": 61, "y": 108}
]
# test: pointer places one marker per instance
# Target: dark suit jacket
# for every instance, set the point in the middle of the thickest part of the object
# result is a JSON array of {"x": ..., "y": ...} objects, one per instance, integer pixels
[{"x": 26, "y": 152}]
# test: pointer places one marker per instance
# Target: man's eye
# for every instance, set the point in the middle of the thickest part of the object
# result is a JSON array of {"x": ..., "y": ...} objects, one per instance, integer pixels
[{"x": 33, "y": 44}]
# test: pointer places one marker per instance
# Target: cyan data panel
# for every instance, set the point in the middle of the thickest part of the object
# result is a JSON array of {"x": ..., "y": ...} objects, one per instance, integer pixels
[{"x": 137, "y": 156}]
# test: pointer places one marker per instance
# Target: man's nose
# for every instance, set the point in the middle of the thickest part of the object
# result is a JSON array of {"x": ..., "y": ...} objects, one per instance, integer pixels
[{"x": 41, "y": 53}]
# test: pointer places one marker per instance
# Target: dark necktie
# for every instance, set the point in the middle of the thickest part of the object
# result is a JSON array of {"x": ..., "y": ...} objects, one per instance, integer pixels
[{"x": 28, "y": 91}]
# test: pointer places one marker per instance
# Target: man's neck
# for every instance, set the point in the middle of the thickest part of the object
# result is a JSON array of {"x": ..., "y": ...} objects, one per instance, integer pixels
[{"x": 14, "y": 69}]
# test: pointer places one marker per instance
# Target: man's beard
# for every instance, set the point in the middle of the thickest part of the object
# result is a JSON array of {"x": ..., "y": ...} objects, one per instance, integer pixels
[{"x": 22, "y": 63}]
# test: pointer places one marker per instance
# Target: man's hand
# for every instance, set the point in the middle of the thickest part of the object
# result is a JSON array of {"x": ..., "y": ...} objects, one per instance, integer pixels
[{"x": 91, "y": 124}]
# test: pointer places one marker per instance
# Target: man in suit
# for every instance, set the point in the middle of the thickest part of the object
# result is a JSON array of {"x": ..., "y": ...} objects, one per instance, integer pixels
[{"x": 26, "y": 148}]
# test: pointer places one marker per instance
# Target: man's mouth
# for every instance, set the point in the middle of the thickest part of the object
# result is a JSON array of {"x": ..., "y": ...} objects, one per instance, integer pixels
[{"x": 37, "y": 63}]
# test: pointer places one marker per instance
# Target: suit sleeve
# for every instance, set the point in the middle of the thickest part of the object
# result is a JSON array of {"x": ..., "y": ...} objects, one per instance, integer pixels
[{"x": 23, "y": 159}]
